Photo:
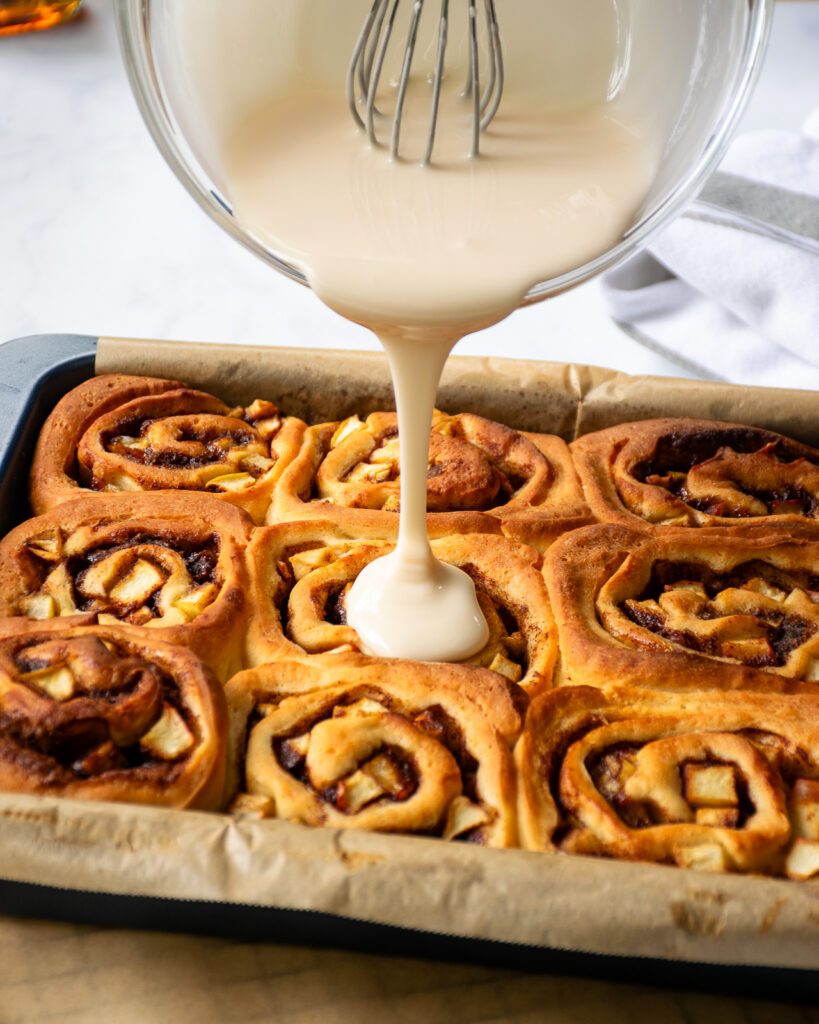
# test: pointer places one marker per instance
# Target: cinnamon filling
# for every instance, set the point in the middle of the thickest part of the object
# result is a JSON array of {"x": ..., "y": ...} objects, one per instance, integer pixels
[
  {"x": 716, "y": 792},
  {"x": 81, "y": 708},
  {"x": 209, "y": 446},
  {"x": 681, "y": 451},
  {"x": 389, "y": 773},
  {"x": 200, "y": 557},
  {"x": 133, "y": 575},
  {"x": 552, "y": 769},
  {"x": 396, "y": 775},
  {"x": 442, "y": 727},
  {"x": 184, "y": 449},
  {"x": 746, "y": 614},
  {"x": 464, "y": 473},
  {"x": 733, "y": 473}
]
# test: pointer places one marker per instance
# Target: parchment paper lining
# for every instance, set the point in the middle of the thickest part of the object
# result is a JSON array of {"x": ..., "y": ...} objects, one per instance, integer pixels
[
  {"x": 556, "y": 901},
  {"x": 558, "y": 398}
]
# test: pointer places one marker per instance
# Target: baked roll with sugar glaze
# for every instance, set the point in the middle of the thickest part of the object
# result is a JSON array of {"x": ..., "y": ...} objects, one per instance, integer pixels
[
  {"x": 482, "y": 477},
  {"x": 108, "y": 713},
  {"x": 301, "y": 572},
  {"x": 117, "y": 433},
  {"x": 697, "y": 473},
  {"x": 172, "y": 564},
  {"x": 390, "y": 747},
  {"x": 679, "y": 609},
  {"x": 719, "y": 782}
]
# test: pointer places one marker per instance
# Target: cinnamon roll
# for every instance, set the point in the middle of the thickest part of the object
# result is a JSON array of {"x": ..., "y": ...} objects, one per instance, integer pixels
[
  {"x": 117, "y": 433},
  {"x": 301, "y": 572},
  {"x": 719, "y": 782},
  {"x": 390, "y": 747},
  {"x": 681, "y": 609},
  {"x": 107, "y": 713},
  {"x": 482, "y": 477},
  {"x": 697, "y": 473},
  {"x": 170, "y": 563}
]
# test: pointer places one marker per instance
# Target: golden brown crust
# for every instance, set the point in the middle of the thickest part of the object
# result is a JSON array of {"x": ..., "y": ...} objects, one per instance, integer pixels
[
  {"x": 171, "y": 565},
  {"x": 391, "y": 747},
  {"x": 300, "y": 572},
  {"x": 726, "y": 782},
  {"x": 108, "y": 713},
  {"x": 117, "y": 433},
  {"x": 683, "y": 610},
  {"x": 483, "y": 478},
  {"x": 697, "y": 473}
]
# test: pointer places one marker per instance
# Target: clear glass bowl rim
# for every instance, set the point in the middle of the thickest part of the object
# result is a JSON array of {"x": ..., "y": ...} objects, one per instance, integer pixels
[{"x": 133, "y": 21}]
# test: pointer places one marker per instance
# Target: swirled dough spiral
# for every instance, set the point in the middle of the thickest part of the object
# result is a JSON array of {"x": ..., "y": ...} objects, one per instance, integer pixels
[
  {"x": 393, "y": 747},
  {"x": 719, "y": 782},
  {"x": 683, "y": 609},
  {"x": 108, "y": 713},
  {"x": 172, "y": 564},
  {"x": 482, "y": 477},
  {"x": 300, "y": 573},
  {"x": 124, "y": 434},
  {"x": 697, "y": 473}
]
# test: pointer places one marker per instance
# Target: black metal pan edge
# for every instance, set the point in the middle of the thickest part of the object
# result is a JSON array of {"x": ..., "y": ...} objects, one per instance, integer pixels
[{"x": 35, "y": 372}]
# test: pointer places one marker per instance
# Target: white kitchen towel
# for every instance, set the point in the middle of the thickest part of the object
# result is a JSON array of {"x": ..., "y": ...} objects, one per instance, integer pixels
[{"x": 735, "y": 296}]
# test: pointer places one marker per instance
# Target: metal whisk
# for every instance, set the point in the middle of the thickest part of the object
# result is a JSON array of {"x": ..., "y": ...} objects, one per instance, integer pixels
[{"x": 367, "y": 67}]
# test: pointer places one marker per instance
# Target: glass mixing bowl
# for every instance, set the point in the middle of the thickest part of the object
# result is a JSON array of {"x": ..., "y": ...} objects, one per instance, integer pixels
[{"x": 688, "y": 65}]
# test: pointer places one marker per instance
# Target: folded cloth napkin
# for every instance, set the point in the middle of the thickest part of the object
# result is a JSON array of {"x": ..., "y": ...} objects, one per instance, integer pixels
[{"x": 730, "y": 291}]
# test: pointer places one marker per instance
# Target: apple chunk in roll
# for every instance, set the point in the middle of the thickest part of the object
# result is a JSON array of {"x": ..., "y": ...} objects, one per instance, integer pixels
[
  {"x": 482, "y": 477},
  {"x": 714, "y": 781},
  {"x": 684, "y": 609},
  {"x": 391, "y": 747},
  {"x": 107, "y": 713},
  {"x": 171, "y": 564},
  {"x": 301, "y": 574},
  {"x": 117, "y": 433}
]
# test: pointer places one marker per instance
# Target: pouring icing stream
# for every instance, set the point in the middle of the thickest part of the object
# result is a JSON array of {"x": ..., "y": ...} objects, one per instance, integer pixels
[{"x": 423, "y": 256}]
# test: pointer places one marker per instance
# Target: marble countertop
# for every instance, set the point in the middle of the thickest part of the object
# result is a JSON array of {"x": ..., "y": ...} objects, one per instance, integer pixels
[{"x": 98, "y": 237}]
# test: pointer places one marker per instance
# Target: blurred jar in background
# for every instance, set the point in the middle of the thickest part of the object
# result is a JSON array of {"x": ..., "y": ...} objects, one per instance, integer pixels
[{"x": 25, "y": 15}]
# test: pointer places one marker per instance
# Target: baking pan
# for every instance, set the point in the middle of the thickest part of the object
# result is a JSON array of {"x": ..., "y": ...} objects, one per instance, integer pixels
[{"x": 35, "y": 373}]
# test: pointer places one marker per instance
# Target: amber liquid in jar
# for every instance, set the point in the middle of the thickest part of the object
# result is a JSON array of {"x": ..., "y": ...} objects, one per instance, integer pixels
[{"x": 25, "y": 15}]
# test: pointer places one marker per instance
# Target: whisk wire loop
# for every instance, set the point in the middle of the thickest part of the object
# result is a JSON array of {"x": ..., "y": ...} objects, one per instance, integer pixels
[
  {"x": 403, "y": 83},
  {"x": 497, "y": 73},
  {"x": 356, "y": 64},
  {"x": 380, "y": 48},
  {"x": 474, "y": 79},
  {"x": 437, "y": 82},
  {"x": 366, "y": 71}
]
